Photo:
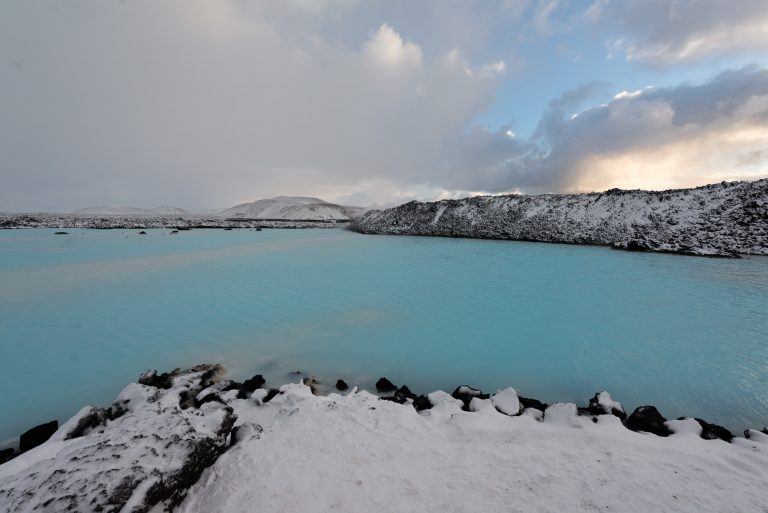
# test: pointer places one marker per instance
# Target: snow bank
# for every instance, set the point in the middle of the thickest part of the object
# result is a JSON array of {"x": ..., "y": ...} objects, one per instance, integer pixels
[
  {"x": 356, "y": 452},
  {"x": 288, "y": 450},
  {"x": 144, "y": 452}
]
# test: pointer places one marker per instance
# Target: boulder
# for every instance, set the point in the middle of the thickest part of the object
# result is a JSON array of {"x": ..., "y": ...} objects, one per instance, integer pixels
[
  {"x": 466, "y": 393},
  {"x": 713, "y": 431},
  {"x": 6, "y": 455},
  {"x": 422, "y": 402},
  {"x": 253, "y": 383},
  {"x": 341, "y": 385},
  {"x": 270, "y": 394},
  {"x": 245, "y": 431},
  {"x": 648, "y": 419},
  {"x": 403, "y": 393},
  {"x": 313, "y": 383},
  {"x": 527, "y": 402},
  {"x": 37, "y": 435},
  {"x": 507, "y": 402},
  {"x": 603, "y": 403},
  {"x": 384, "y": 385},
  {"x": 564, "y": 414},
  {"x": 143, "y": 461}
]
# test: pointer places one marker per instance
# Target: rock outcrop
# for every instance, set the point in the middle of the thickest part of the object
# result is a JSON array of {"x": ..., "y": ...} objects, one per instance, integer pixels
[
  {"x": 725, "y": 219},
  {"x": 144, "y": 452}
]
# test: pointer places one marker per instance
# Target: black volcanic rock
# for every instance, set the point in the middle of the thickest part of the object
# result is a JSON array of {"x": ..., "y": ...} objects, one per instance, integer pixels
[
  {"x": 422, "y": 402},
  {"x": 403, "y": 393},
  {"x": 713, "y": 431},
  {"x": 721, "y": 220},
  {"x": 253, "y": 383},
  {"x": 341, "y": 385},
  {"x": 143, "y": 460},
  {"x": 6, "y": 455},
  {"x": 270, "y": 395},
  {"x": 595, "y": 408},
  {"x": 648, "y": 419},
  {"x": 527, "y": 402},
  {"x": 37, "y": 435},
  {"x": 384, "y": 385},
  {"x": 466, "y": 393}
]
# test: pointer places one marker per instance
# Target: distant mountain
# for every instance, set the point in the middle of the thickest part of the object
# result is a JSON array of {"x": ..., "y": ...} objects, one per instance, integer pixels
[
  {"x": 715, "y": 220},
  {"x": 131, "y": 211},
  {"x": 293, "y": 208}
]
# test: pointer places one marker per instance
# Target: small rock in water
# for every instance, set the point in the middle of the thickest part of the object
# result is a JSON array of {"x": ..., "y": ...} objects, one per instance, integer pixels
[
  {"x": 174, "y": 232},
  {"x": 142, "y": 232},
  {"x": 385, "y": 385},
  {"x": 37, "y": 435},
  {"x": 61, "y": 233},
  {"x": 648, "y": 419},
  {"x": 341, "y": 385}
]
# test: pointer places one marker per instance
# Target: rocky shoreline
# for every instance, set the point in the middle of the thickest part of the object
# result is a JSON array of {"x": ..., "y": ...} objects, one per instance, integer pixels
[
  {"x": 71, "y": 221},
  {"x": 720, "y": 220},
  {"x": 160, "y": 434}
]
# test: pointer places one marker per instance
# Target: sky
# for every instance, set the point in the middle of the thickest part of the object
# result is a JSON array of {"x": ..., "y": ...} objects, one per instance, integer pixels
[{"x": 204, "y": 104}]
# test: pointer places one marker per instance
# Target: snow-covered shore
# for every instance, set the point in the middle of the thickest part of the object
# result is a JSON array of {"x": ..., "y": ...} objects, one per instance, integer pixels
[
  {"x": 191, "y": 441},
  {"x": 133, "y": 222},
  {"x": 724, "y": 219}
]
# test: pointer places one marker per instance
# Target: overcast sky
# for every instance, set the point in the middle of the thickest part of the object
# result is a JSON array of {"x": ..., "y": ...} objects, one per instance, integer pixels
[{"x": 210, "y": 103}]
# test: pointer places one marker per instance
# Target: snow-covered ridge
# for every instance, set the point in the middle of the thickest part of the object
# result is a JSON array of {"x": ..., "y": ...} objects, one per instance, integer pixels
[
  {"x": 130, "y": 211},
  {"x": 191, "y": 441},
  {"x": 723, "y": 219},
  {"x": 294, "y": 208}
]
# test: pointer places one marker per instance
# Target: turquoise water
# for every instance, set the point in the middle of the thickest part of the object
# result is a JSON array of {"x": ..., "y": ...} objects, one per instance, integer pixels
[{"x": 82, "y": 315}]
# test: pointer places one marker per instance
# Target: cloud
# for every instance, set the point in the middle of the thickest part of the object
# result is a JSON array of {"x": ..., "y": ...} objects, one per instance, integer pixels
[
  {"x": 652, "y": 138},
  {"x": 387, "y": 47},
  {"x": 202, "y": 103},
  {"x": 662, "y": 32},
  {"x": 211, "y": 103}
]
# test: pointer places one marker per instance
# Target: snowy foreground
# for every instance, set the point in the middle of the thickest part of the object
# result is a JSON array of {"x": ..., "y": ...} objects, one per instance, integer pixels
[
  {"x": 724, "y": 219},
  {"x": 191, "y": 442}
]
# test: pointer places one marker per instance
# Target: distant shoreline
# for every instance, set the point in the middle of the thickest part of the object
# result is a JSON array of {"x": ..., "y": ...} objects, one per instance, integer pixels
[{"x": 118, "y": 222}]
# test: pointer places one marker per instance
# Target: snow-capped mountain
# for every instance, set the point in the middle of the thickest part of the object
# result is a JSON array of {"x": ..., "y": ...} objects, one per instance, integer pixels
[
  {"x": 718, "y": 220},
  {"x": 293, "y": 208},
  {"x": 131, "y": 211}
]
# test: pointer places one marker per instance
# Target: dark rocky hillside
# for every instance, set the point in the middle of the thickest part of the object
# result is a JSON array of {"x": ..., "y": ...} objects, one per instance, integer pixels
[{"x": 725, "y": 219}]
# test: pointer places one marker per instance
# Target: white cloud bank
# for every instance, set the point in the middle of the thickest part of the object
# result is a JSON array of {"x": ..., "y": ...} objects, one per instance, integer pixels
[
  {"x": 202, "y": 103},
  {"x": 663, "y": 32}
]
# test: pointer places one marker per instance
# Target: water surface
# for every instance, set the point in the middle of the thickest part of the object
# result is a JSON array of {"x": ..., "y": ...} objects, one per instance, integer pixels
[{"x": 83, "y": 314}]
